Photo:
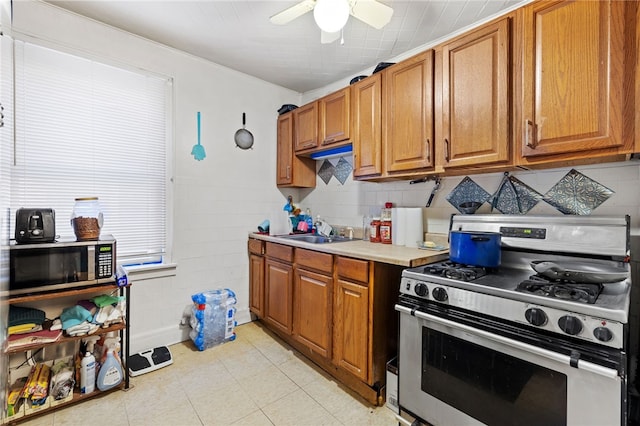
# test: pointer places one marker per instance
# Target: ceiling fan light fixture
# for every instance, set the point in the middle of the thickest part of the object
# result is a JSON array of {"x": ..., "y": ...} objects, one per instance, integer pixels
[{"x": 331, "y": 15}]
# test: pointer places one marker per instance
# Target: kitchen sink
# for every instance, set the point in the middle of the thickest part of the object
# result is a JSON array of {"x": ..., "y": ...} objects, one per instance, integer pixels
[{"x": 316, "y": 239}]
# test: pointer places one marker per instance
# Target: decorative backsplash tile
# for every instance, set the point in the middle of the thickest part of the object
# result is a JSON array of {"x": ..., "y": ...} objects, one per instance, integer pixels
[
  {"x": 326, "y": 171},
  {"x": 467, "y": 191},
  {"x": 514, "y": 196},
  {"x": 340, "y": 171},
  {"x": 577, "y": 194}
]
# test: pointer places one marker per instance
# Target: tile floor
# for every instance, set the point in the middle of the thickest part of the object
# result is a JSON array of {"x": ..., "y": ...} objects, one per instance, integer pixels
[{"x": 255, "y": 380}]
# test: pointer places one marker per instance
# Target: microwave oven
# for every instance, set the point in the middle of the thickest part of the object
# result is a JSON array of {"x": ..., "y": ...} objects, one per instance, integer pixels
[{"x": 40, "y": 267}]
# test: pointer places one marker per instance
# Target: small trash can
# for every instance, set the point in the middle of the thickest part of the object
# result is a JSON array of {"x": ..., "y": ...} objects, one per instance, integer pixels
[{"x": 392, "y": 386}]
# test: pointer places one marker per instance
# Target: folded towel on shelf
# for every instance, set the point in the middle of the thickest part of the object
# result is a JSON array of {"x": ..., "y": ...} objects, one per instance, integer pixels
[{"x": 73, "y": 316}]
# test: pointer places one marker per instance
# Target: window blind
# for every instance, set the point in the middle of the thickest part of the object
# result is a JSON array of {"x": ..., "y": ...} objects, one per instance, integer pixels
[{"x": 83, "y": 129}]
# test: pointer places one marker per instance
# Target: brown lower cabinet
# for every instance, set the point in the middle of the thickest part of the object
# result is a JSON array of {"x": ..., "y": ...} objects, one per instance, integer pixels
[
  {"x": 351, "y": 316},
  {"x": 336, "y": 310}
]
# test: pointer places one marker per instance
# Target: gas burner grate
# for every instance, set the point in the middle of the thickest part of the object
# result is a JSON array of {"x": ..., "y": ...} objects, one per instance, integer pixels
[
  {"x": 455, "y": 271},
  {"x": 560, "y": 289}
]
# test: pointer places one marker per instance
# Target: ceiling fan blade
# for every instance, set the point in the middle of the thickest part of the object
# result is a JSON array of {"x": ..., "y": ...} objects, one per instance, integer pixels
[
  {"x": 326, "y": 38},
  {"x": 293, "y": 12},
  {"x": 371, "y": 12}
]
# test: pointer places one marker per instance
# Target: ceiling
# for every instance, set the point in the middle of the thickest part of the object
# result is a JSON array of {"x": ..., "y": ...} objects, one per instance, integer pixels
[{"x": 239, "y": 35}]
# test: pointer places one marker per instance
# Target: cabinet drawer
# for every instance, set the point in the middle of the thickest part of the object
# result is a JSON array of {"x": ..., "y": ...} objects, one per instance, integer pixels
[
  {"x": 314, "y": 260},
  {"x": 256, "y": 246},
  {"x": 353, "y": 269},
  {"x": 280, "y": 251}
]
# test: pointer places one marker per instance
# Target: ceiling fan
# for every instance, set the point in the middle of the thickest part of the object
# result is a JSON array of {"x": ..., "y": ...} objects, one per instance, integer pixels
[{"x": 332, "y": 15}]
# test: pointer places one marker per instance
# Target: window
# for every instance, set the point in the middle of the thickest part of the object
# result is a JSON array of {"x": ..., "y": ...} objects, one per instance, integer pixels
[{"x": 86, "y": 129}]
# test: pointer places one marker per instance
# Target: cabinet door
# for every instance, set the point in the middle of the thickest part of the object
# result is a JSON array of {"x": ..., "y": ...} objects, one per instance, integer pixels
[
  {"x": 475, "y": 97},
  {"x": 366, "y": 101},
  {"x": 408, "y": 114},
  {"x": 278, "y": 295},
  {"x": 292, "y": 171},
  {"x": 334, "y": 117},
  {"x": 573, "y": 77},
  {"x": 306, "y": 126},
  {"x": 312, "y": 311},
  {"x": 285, "y": 149},
  {"x": 351, "y": 328},
  {"x": 256, "y": 285}
]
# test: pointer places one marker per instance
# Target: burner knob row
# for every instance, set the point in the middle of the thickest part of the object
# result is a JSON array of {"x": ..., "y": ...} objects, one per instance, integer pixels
[
  {"x": 535, "y": 316},
  {"x": 421, "y": 289},
  {"x": 570, "y": 325},
  {"x": 440, "y": 294},
  {"x": 603, "y": 334}
]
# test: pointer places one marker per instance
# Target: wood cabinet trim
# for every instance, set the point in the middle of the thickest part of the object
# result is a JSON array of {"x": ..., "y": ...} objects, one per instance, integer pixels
[
  {"x": 403, "y": 150},
  {"x": 279, "y": 251},
  {"x": 472, "y": 119},
  {"x": 256, "y": 246},
  {"x": 313, "y": 310},
  {"x": 306, "y": 126},
  {"x": 314, "y": 260},
  {"x": 591, "y": 126},
  {"x": 353, "y": 269},
  {"x": 366, "y": 106},
  {"x": 334, "y": 117}
]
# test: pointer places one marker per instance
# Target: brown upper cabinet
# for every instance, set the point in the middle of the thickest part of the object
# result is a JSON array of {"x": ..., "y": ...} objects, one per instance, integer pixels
[
  {"x": 292, "y": 171},
  {"x": 573, "y": 89},
  {"x": 473, "y": 107},
  {"x": 334, "y": 117},
  {"x": 366, "y": 107},
  {"x": 407, "y": 116},
  {"x": 306, "y": 126}
]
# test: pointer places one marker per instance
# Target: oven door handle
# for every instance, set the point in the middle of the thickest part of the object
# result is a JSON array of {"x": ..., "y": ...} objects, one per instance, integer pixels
[{"x": 554, "y": 356}]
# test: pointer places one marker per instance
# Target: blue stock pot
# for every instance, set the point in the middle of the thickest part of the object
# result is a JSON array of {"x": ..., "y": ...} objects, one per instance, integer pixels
[{"x": 475, "y": 248}]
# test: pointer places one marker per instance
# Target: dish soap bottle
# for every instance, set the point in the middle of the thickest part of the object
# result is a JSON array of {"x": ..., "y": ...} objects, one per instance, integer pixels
[{"x": 110, "y": 374}]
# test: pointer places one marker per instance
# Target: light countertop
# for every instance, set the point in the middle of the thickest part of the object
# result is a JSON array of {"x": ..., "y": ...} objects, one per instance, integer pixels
[{"x": 359, "y": 249}]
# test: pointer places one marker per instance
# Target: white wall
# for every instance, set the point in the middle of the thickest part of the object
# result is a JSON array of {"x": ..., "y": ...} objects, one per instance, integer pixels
[{"x": 218, "y": 201}]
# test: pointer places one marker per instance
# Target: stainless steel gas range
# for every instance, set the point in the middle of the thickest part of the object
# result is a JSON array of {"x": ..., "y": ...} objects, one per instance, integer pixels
[{"x": 509, "y": 346}]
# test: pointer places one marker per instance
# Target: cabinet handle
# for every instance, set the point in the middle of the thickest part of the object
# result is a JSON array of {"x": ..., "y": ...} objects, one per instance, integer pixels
[
  {"x": 288, "y": 172},
  {"x": 328, "y": 140},
  {"x": 428, "y": 149},
  {"x": 530, "y": 139},
  {"x": 446, "y": 150}
]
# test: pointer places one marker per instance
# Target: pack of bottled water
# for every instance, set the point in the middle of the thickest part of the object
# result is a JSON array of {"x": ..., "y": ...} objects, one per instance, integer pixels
[{"x": 213, "y": 318}]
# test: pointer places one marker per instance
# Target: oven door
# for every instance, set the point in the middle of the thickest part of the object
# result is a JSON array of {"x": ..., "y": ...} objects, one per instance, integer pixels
[{"x": 452, "y": 372}]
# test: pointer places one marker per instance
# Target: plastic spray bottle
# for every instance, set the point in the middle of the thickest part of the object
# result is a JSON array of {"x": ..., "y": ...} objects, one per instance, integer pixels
[
  {"x": 88, "y": 367},
  {"x": 110, "y": 374}
]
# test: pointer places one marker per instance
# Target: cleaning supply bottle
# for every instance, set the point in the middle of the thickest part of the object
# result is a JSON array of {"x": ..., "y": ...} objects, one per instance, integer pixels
[
  {"x": 309, "y": 219},
  {"x": 87, "y": 373},
  {"x": 110, "y": 374}
]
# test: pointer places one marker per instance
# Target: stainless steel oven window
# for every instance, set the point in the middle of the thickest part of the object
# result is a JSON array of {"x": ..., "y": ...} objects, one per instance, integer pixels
[{"x": 491, "y": 386}]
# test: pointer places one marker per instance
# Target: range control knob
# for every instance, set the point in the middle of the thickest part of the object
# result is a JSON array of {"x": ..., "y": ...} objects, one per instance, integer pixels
[
  {"x": 603, "y": 334},
  {"x": 570, "y": 325},
  {"x": 535, "y": 316},
  {"x": 440, "y": 294},
  {"x": 421, "y": 289}
]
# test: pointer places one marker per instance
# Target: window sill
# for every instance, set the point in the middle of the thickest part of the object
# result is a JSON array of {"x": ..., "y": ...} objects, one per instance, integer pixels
[{"x": 148, "y": 272}]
